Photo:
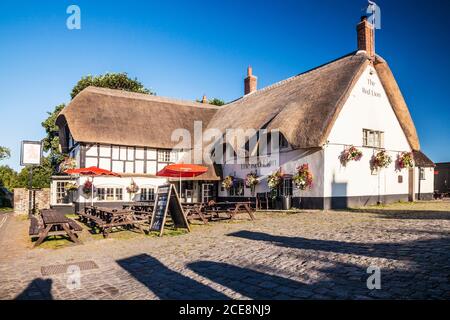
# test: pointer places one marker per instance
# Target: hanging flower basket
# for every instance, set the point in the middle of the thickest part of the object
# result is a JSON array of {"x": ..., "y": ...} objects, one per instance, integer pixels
[
  {"x": 350, "y": 154},
  {"x": 405, "y": 160},
  {"x": 303, "y": 179},
  {"x": 227, "y": 183},
  {"x": 381, "y": 160},
  {"x": 87, "y": 188},
  {"x": 251, "y": 180},
  {"x": 274, "y": 179},
  {"x": 133, "y": 187},
  {"x": 67, "y": 163}
]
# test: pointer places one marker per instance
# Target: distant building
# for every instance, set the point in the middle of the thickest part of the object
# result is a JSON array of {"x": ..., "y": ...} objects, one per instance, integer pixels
[{"x": 351, "y": 101}]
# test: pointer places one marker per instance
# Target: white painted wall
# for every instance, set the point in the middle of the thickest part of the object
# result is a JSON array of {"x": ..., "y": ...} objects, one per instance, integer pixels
[
  {"x": 118, "y": 182},
  {"x": 426, "y": 185},
  {"x": 288, "y": 161},
  {"x": 366, "y": 108}
]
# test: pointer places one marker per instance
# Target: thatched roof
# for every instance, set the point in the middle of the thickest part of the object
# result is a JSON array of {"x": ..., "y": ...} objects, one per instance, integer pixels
[
  {"x": 120, "y": 117},
  {"x": 421, "y": 160},
  {"x": 305, "y": 107}
]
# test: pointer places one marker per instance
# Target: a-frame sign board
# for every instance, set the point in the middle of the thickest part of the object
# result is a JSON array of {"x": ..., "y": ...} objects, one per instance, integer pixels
[{"x": 167, "y": 201}]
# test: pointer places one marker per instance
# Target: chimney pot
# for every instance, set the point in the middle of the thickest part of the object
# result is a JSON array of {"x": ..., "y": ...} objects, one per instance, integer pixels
[
  {"x": 250, "y": 83},
  {"x": 204, "y": 99},
  {"x": 366, "y": 39}
]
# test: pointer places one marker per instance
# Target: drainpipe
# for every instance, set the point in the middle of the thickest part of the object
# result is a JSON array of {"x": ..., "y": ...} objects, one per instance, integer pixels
[{"x": 418, "y": 191}]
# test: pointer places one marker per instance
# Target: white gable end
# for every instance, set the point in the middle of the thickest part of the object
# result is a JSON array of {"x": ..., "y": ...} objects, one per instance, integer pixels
[{"x": 368, "y": 107}]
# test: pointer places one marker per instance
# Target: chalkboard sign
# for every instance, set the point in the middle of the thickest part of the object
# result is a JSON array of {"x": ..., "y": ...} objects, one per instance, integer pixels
[{"x": 167, "y": 201}]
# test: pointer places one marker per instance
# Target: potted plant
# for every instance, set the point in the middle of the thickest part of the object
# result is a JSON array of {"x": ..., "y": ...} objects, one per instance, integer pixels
[
  {"x": 303, "y": 178},
  {"x": 405, "y": 160},
  {"x": 227, "y": 183},
  {"x": 87, "y": 188},
  {"x": 380, "y": 160},
  {"x": 251, "y": 180},
  {"x": 133, "y": 188},
  {"x": 70, "y": 188},
  {"x": 350, "y": 154}
]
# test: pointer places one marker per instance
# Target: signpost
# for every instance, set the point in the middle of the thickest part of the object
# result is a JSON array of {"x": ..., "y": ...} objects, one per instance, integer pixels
[
  {"x": 31, "y": 155},
  {"x": 167, "y": 201}
]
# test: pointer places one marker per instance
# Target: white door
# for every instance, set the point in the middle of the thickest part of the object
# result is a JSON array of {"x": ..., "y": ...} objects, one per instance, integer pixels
[{"x": 207, "y": 192}]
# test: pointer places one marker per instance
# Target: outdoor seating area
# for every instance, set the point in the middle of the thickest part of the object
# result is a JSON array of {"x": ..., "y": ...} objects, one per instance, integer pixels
[
  {"x": 107, "y": 219},
  {"x": 132, "y": 217}
]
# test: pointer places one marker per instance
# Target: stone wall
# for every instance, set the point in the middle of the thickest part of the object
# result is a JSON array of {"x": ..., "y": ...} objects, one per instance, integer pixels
[{"x": 21, "y": 198}]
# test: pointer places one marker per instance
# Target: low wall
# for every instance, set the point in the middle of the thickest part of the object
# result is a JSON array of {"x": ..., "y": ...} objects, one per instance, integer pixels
[{"x": 21, "y": 199}]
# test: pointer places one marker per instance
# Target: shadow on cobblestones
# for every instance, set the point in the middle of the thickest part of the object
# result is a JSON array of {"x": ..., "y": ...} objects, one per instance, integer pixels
[
  {"x": 404, "y": 214},
  {"x": 166, "y": 283},
  {"x": 428, "y": 260},
  {"x": 38, "y": 289},
  {"x": 258, "y": 285}
]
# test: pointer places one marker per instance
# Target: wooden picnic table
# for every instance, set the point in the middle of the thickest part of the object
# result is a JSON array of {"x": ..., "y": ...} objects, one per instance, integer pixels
[
  {"x": 140, "y": 207},
  {"x": 195, "y": 211},
  {"x": 53, "y": 223},
  {"x": 231, "y": 208},
  {"x": 211, "y": 210},
  {"x": 108, "y": 218}
]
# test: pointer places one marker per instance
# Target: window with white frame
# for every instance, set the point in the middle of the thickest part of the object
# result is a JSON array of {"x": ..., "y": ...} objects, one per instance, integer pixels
[
  {"x": 62, "y": 197},
  {"x": 422, "y": 173},
  {"x": 109, "y": 194},
  {"x": 373, "y": 138},
  {"x": 147, "y": 194},
  {"x": 167, "y": 156}
]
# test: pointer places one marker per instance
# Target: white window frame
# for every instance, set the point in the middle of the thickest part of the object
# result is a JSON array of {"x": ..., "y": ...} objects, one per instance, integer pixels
[{"x": 373, "y": 138}]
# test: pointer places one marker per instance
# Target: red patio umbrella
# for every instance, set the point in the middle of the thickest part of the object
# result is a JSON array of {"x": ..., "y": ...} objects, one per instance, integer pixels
[
  {"x": 182, "y": 170},
  {"x": 91, "y": 172}
]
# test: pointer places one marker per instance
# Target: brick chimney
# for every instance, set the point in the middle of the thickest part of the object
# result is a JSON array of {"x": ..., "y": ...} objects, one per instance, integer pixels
[
  {"x": 250, "y": 82},
  {"x": 204, "y": 99},
  {"x": 366, "y": 39}
]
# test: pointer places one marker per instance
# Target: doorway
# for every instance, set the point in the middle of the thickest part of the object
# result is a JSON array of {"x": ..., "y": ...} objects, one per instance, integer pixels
[{"x": 207, "y": 192}]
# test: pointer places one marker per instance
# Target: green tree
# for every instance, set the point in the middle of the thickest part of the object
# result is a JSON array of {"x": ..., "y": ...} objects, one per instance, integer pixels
[
  {"x": 4, "y": 153},
  {"x": 216, "y": 102},
  {"x": 8, "y": 178},
  {"x": 41, "y": 175},
  {"x": 51, "y": 141},
  {"x": 112, "y": 81}
]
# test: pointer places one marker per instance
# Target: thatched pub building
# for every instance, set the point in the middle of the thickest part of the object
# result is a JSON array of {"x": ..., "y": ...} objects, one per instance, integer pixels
[{"x": 319, "y": 114}]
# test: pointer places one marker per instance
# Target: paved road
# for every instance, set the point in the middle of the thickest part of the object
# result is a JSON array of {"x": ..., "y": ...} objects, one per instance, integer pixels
[{"x": 310, "y": 255}]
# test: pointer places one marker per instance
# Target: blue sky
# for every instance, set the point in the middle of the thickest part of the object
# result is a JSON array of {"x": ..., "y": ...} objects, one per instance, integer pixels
[{"x": 184, "y": 49}]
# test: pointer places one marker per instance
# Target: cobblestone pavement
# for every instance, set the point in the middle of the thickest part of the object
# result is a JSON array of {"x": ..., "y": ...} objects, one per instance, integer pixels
[{"x": 307, "y": 255}]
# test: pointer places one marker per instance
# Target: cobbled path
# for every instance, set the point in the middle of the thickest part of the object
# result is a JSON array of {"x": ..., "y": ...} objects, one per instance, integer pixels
[{"x": 307, "y": 255}]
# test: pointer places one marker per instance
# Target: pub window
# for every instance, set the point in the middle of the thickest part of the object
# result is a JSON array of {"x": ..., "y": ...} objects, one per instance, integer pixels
[
  {"x": 163, "y": 156},
  {"x": 237, "y": 189},
  {"x": 147, "y": 194},
  {"x": 109, "y": 194},
  {"x": 422, "y": 173},
  {"x": 373, "y": 138},
  {"x": 62, "y": 196}
]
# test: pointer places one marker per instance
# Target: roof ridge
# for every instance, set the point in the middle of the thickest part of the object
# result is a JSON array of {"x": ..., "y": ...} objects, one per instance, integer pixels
[
  {"x": 281, "y": 82},
  {"x": 144, "y": 96}
]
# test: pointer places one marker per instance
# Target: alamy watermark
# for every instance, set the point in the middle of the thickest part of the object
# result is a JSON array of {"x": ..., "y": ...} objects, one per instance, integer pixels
[
  {"x": 73, "y": 277},
  {"x": 73, "y": 22},
  {"x": 374, "y": 280}
]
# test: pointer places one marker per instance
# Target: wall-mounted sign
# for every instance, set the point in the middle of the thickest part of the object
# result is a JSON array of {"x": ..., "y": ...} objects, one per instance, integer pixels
[
  {"x": 167, "y": 201},
  {"x": 31, "y": 153}
]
